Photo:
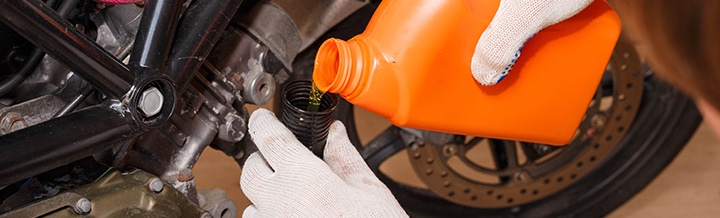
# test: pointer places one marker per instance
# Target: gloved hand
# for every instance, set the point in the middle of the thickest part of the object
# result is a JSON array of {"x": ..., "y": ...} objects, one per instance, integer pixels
[
  {"x": 285, "y": 179},
  {"x": 515, "y": 22}
]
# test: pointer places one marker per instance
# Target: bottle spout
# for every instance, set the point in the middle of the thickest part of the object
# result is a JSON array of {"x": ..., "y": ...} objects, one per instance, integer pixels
[
  {"x": 327, "y": 75},
  {"x": 348, "y": 68}
]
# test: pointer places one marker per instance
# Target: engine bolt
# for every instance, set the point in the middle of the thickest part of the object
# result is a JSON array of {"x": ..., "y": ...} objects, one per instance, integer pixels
[
  {"x": 11, "y": 121},
  {"x": 83, "y": 206},
  {"x": 151, "y": 102},
  {"x": 234, "y": 128},
  {"x": 185, "y": 175},
  {"x": 156, "y": 185}
]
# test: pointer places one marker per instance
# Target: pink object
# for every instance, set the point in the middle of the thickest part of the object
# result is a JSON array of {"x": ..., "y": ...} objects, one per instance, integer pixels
[{"x": 118, "y": 2}]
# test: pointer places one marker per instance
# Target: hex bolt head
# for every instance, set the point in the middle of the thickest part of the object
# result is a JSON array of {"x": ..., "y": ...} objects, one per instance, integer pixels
[
  {"x": 151, "y": 102},
  {"x": 156, "y": 185},
  {"x": 83, "y": 206}
]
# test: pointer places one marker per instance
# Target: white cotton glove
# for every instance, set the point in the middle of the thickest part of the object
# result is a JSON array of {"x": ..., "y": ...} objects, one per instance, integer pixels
[
  {"x": 515, "y": 22},
  {"x": 285, "y": 179}
]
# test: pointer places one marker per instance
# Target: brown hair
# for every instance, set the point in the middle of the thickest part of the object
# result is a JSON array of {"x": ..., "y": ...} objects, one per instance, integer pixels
[{"x": 680, "y": 39}]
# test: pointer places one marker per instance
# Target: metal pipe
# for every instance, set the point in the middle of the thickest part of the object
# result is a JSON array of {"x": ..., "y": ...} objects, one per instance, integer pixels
[
  {"x": 199, "y": 30},
  {"x": 75, "y": 102},
  {"x": 47, "y": 30},
  {"x": 153, "y": 39},
  {"x": 60, "y": 141}
]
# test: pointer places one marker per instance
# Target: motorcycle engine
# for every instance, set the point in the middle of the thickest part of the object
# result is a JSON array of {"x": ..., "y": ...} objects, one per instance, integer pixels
[{"x": 152, "y": 175}]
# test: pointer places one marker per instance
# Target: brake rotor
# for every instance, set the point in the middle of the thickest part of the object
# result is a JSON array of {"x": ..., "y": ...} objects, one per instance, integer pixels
[{"x": 453, "y": 171}]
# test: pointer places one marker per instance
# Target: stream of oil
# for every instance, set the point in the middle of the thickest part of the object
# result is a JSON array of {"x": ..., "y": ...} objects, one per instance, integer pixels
[{"x": 315, "y": 97}]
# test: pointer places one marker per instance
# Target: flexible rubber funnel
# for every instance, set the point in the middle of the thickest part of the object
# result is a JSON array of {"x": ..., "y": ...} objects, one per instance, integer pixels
[{"x": 310, "y": 128}]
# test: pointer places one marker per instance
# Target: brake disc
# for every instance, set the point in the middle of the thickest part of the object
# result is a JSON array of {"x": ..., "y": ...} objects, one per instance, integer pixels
[{"x": 525, "y": 172}]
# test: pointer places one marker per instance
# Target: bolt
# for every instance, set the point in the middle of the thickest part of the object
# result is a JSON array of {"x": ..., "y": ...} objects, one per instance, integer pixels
[
  {"x": 185, "y": 175},
  {"x": 233, "y": 130},
  {"x": 156, "y": 185},
  {"x": 151, "y": 101},
  {"x": 83, "y": 206},
  {"x": 521, "y": 176},
  {"x": 598, "y": 120},
  {"x": 449, "y": 149},
  {"x": 12, "y": 121},
  {"x": 206, "y": 215}
]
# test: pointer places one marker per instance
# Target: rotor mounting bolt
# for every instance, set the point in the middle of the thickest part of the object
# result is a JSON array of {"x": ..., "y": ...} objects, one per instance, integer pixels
[
  {"x": 598, "y": 120},
  {"x": 156, "y": 185},
  {"x": 449, "y": 150},
  {"x": 151, "y": 101},
  {"x": 521, "y": 176},
  {"x": 83, "y": 206}
]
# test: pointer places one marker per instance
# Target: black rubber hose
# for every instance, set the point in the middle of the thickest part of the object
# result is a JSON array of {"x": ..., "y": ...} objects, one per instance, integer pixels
[
  {"x": 35, "y": 57},
  {"x": 9, "y": 84}
]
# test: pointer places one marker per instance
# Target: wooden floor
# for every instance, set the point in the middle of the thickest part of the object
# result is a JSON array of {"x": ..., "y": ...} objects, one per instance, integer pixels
[{"x": 689, "y": 187}]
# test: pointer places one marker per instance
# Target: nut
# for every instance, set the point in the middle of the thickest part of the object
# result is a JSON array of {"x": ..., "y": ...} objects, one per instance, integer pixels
[{"x": 258, "y": 87}]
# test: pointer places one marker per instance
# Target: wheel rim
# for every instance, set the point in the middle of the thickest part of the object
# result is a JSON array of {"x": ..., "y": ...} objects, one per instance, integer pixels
[{"x": 545, "y": 170}]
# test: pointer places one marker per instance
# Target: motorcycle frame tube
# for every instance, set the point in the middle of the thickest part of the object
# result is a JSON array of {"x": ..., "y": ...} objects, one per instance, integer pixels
[
  {"x": 39, "y": 148},
  {"x": 152, "y": 43},
  {"x": 196, "y": 37},
  {"x": 42, "y": 147}
]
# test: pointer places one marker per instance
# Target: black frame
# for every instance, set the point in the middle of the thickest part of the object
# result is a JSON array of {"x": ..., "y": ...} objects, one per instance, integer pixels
[{"x": 168, "y": 50}]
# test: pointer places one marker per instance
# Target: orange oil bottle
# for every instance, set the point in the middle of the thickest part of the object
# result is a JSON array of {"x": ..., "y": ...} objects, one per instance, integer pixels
[{"x": 412, "y": 66}]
